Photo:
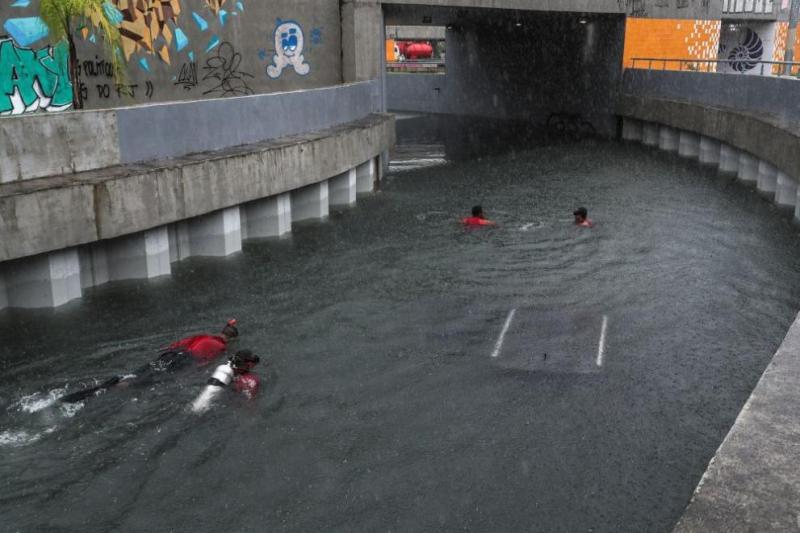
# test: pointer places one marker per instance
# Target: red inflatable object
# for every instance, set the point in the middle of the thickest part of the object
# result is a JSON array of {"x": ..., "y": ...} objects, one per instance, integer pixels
[{"x": 415, "y": 50}]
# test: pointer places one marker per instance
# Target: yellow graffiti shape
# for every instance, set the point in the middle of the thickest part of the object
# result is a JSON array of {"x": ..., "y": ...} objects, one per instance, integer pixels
[{"x": 144, "y": 24}]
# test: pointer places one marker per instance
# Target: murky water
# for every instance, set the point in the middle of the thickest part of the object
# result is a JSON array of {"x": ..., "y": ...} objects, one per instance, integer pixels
[{"x": 383, "y": 408}]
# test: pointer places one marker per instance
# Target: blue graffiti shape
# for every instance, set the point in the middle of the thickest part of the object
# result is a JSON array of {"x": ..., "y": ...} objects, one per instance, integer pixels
[
  {"x": 144, "y": 64},
  {"x": 213, "y": 43},
  {"x": 21, "y": 3},
  {"x": 240, "y": 6},
  {"x": 33, "y": 79},
  {"x": 262, "y": 54},
  {"x": 181, "y": 41},
  {"x": 289, "y": 40},
  {"x": 223, "y": 17},
  {"x": 26, "y": 31},
  {"x": 113, "y": 14},
  {"x": 316, "y": 36},
  {"x": 202, "y": 25}
]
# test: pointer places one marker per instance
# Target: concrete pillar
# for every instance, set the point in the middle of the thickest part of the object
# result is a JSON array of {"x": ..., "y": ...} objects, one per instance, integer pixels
[
  {"x": 45, "y": 280},
  {"x": 94, "y": 264},
  {"x": 728, "y": 159},
  {"x": 709, "y": 151},
  {"x": 786, "y": 190},
  {"x": 268, "y": 217},
  {"x": 668, "y": 139},
  {"x": 631, "y": 129},
  {"x": 650, "y": 134},
  {"x": 748, "y": 168},
  {"x": 216, "y": 234},
  {"x": 767, "y": 178},
  {"x": 366, "y": 173},
  {"x": 342, "y": 188},
  {"x": 310, "y": 202},
  {"x": 141, "y": 255},
  {"x": 178, "y": 235},
  {"x": 689, "y": 144},
  {"x": 363, "y": 45}
]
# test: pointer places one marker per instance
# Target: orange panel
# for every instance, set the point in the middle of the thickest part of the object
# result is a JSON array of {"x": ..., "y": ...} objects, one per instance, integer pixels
[{"x": 671, "y": 39}]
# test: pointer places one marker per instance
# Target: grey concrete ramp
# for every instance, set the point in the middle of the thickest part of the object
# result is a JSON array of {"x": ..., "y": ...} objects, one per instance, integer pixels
[{"x": 753, "y": 482}]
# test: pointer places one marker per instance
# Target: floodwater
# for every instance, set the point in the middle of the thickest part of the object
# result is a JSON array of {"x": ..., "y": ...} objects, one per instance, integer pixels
[{"x": 382, "y": 408}]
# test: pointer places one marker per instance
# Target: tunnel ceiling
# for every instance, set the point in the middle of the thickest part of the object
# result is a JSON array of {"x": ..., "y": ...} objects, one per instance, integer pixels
[
  {"x": 415, "y": 15},
  {"x": 444, "y": 11}
]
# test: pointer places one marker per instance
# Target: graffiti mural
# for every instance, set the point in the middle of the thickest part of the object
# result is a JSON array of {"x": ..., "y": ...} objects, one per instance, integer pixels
[
  {"x": 31, "y": 80},
  {"x": 222, "y": 70},
  {"x": 289, "y": 42}
]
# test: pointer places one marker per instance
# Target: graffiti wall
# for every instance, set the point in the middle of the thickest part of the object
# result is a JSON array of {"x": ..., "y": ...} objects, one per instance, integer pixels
[
  {"x": 173, "y": 50},
  {"x": 671, "y": 39},
  {"x": 744, "y": 44}
]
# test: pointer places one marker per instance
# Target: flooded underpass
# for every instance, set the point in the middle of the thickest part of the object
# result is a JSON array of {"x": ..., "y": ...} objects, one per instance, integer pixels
[{"x": 422, "y": 376}]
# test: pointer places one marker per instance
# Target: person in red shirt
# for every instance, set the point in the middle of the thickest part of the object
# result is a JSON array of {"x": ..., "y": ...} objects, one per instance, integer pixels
[
  {"x": 582, "y": 218},
  {"x": 205, "y": 348},
  {"x": 477, "y": 218}
]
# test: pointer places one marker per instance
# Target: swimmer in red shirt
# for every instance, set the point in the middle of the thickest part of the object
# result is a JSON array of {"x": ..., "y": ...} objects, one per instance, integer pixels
[
  {"x": 582, "y": 218},
  {"x": 477, "y": 218},
  {"x": 203, "y": 349}
]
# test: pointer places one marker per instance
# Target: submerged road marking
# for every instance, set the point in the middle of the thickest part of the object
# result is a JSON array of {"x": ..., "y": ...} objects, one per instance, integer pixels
[
  {"x": 601, "y": 346},
  {"x": 499, "y": 343}
]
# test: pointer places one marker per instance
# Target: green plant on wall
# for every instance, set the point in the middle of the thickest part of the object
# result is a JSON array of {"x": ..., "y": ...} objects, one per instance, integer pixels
[{"x": 65, "y": 17}]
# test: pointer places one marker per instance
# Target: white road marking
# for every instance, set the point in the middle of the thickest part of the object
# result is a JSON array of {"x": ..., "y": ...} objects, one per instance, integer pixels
[
  {"x": 499, "y": 343},
  {"x": 601, "y": 346}
]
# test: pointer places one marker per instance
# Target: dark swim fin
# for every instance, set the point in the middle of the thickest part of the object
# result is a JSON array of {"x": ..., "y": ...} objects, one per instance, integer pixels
[{"x": 81, "y": 395}]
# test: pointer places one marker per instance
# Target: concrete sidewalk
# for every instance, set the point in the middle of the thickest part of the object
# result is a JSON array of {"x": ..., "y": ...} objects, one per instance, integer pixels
[{"x": 753, "y": 482}]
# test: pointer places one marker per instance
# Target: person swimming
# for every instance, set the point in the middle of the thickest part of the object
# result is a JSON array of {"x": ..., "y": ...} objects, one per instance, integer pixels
[
  {"x": 582, "y": 218},
  {"x": 238, "y": 372},
  {"x": 202, "y": 349},
  {"x": 477, "y": 218}
]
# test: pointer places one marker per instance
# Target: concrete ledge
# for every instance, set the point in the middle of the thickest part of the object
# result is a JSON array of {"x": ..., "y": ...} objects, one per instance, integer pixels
[
  {"x": 758, "y": 135},
  {"x": 753, "y": 481},
  {"x": 47, "y": 214}
]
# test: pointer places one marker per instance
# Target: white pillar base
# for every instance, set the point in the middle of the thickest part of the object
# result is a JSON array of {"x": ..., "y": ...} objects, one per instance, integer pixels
[
  {"x": 46, "y": 280},
  {"x": 365, "y": 176},
  {"x": 216, "y": 234},
  {"x": 767, "y": 178},
  {"x": 786, "y": 190},
  {"x": 748, "y": 168},
  {"x": 668, "y": 139},
  {"x": 728, "y": 159},
  {"x": 631, "y": 129},
  {"x": 342, "y": 188},
  {"x": 689, "y": 145},
  {"x": 142, "y": 255},
  {"x": 311, "y": 202},
  {"x": 94, "y": 264},
  {"x": 650, "y": 134},
  {"x": 268, "y": 217},
  {"x": 178, "y": 235},
  {"x": 709, "y": 151}
]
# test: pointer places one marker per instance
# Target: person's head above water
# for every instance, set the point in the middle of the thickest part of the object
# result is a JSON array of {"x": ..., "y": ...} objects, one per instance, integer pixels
[
  {"x": 580, "y": 215},
  {"x": 243, "y": 360},
  {"x": 230, "y": 331},
  {"x": 477, "y": 211}
]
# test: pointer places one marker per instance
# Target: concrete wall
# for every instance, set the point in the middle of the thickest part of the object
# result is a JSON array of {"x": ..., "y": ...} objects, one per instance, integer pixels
[
  {"x": 36, "y": 145},
  {"x": 499, "y": 69},
  {"x": 775, "y": 97},
  {"x": 55, "y": 213},
  {"x": 191, "y": 49}
]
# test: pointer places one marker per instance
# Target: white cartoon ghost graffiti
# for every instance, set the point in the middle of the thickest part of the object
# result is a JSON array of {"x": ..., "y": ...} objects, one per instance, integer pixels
[{"x": 289, "y": 43}]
